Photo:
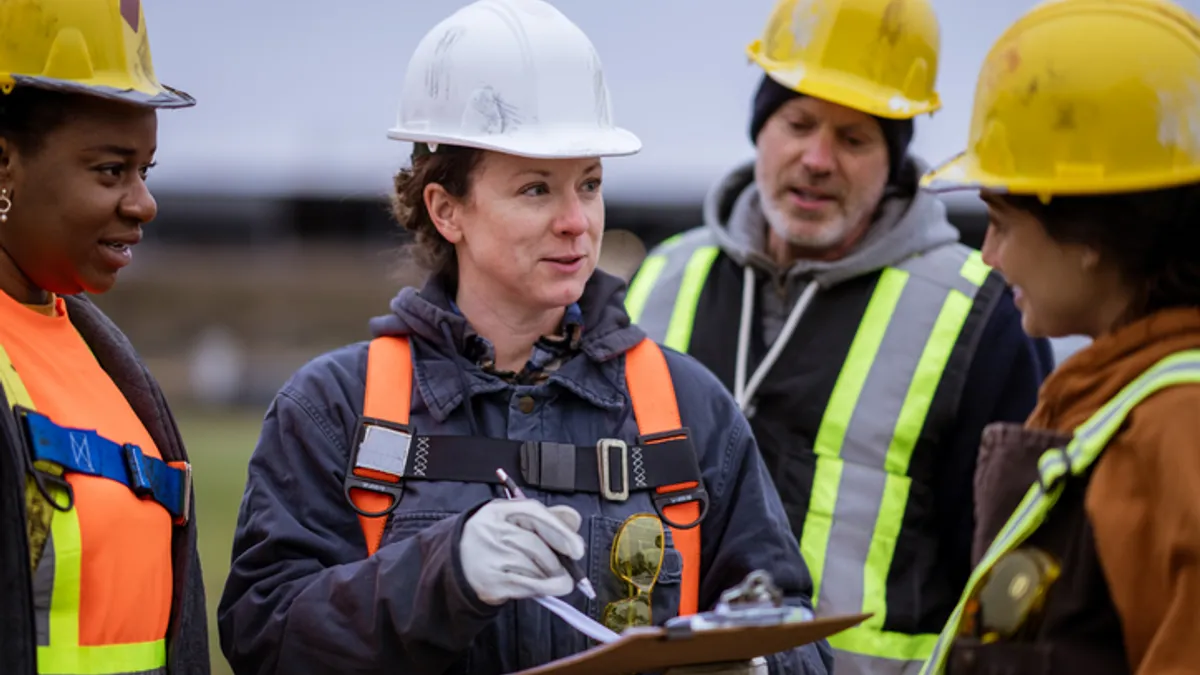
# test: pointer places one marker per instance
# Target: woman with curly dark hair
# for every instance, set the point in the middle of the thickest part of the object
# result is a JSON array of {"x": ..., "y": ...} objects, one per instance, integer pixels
[
  {"x": 377, "y": 534},
  {"x": 1086, "y": 148}
]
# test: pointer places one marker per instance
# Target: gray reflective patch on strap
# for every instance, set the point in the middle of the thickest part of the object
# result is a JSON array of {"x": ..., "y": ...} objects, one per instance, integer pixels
[
  {"x": 383, "y": 449},
  {"x": 660, "y": 307},
  {"x": 43, "y": 592}
]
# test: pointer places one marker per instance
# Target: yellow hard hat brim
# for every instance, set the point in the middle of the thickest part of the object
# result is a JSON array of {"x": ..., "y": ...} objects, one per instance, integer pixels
[
  {"x": 963, "y": 172},
  {"x": 159, "y": 97},
  {"x": 847, "y": 91},
  {"x": 955, "y": 174}
]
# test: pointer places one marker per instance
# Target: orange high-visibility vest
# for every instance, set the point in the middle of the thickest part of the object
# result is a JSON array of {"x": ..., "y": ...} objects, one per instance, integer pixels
[{"x": 60, "y": 650}]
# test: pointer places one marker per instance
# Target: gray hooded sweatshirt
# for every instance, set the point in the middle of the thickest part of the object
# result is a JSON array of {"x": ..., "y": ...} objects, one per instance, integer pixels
[{"x": 905, "y": 225}]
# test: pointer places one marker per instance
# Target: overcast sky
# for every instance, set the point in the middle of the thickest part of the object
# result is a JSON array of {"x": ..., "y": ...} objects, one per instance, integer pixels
[{"x": 296, "y": 96}]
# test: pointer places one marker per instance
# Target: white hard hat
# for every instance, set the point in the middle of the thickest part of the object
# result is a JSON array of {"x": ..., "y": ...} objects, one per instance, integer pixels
[{"x": 514, "y": 76}]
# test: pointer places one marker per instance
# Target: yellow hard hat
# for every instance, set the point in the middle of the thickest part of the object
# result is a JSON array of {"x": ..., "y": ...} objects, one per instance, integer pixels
[
  {"x": 97, "y": 47},
  {"x": 877, "y": 56},
  {"x": 1085, "y": 97}
]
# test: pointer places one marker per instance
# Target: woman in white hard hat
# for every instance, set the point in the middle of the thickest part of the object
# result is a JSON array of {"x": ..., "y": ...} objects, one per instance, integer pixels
[
  {"x": 97, "y": 544},
  {"x": 1086, "y": 150},
  {"x": 376, "y": 534}
]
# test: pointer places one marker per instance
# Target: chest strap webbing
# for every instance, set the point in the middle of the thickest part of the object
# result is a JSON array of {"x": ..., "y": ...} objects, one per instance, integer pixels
[
  {"x": 387, "y": 451},
  {"x": 85, "y": 451}
]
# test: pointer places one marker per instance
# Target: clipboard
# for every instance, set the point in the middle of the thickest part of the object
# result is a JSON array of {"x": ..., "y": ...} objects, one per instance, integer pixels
[{"x": 653, "y": 649}]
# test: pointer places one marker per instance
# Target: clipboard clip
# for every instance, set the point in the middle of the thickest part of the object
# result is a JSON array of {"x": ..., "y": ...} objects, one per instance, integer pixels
[{"x": 756, "y": 601}]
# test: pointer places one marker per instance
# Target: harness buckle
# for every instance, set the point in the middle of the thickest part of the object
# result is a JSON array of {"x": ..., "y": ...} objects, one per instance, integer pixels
[
  {"x": 697, "y": 494},
  {"x": 604, "y": 450},
  {"x": 186, "y": 500},
  {"x": 378, "y": 457},
  {"x": 548, "y": 465},
  {"x": 135, "y": 466},
  {"x": 663, "y": 498}
]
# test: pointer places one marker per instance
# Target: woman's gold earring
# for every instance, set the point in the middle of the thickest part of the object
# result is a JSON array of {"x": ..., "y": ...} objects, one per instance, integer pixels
[{"x": 5, "y": 205}]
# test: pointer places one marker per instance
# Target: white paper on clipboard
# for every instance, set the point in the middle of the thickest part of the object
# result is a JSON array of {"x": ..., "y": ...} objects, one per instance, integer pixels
[{"x": 578, "y": 620}]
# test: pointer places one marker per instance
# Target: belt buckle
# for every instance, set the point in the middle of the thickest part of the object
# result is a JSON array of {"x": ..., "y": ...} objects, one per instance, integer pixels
[{"x": 604, "y": 450}]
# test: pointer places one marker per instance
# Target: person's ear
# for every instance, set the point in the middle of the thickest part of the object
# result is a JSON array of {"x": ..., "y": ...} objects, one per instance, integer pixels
[{"x": 445, "y": 211}]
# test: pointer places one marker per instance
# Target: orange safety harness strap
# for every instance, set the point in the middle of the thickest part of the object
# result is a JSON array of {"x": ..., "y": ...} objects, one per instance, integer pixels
[
  {"x": 657, "y": 411},
  {"x": 388, "y": 396},
  {"x": 388, "y": 400}
]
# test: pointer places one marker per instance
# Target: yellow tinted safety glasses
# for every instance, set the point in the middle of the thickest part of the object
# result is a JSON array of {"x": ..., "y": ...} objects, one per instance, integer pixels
[{"x": 636, "y": 559}]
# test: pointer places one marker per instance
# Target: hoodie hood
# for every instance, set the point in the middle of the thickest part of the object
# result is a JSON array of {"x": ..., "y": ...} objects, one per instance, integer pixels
[
  {"x": 909, "y": 221},
  {"x": 429, "y": 314}
]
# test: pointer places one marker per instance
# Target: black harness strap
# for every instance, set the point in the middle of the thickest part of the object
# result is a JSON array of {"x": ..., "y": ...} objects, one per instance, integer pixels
[{"x": 393, "y": 454}]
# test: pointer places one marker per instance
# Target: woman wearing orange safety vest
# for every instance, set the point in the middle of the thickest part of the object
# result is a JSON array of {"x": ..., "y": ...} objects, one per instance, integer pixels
[
  {"x": 97, "y": 546},
  {"x": 375, "y": 535},
  {"x": 1086, "y": 148}
]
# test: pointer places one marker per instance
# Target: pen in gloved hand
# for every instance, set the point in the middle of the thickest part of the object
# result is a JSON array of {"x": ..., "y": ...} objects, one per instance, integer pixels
[{"x": 572, "y": 566}]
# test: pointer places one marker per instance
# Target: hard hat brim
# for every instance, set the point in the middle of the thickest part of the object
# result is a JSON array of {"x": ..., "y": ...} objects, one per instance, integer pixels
[
  {"x": 843, "y": 89},
  {"x": 165, "y": 97},
  {"x": 541, "y": 144},
  {"x": 963, "y": 172},
  {"x": 955, "y": 174}
]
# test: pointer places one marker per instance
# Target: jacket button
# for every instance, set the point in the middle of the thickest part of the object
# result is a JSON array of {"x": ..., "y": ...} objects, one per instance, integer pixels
[{"x": 526, "y": 404}]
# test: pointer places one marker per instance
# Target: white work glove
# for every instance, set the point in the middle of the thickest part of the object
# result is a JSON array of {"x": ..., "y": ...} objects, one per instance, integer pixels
[
  {"x": 506, "y": 549},
  {"x": 755, "y": 666}
]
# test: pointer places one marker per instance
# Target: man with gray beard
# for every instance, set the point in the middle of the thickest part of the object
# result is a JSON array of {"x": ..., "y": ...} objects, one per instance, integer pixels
[{"x": 867, "y": 346}]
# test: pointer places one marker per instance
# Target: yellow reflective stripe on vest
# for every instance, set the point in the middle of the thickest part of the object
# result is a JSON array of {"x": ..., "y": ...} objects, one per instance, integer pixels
[
  {"x": 639, "y": 287},
  {"x": 683, "y": 317},
  {"x": 644, "y": 280},
  {"x": 974, "y": 269},
  {"x": 1086, "y": 446},
  {"x": 814, "y": 539},
  {"x": 685, "y": 265},
  {"x": 63, "y": 655},
  {"x": 869, "y": 431},
  {"x": 14, "y": 388},
  {"x": 37, "y": 524},
  {"x": 877, "y": 388}
]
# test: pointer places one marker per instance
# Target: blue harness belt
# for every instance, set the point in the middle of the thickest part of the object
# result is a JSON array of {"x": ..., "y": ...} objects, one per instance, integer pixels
[{"x": 87, "y": 452}]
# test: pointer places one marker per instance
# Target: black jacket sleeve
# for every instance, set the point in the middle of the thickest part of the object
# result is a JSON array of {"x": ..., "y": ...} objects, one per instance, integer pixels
[{"x": 302, "y": 597}]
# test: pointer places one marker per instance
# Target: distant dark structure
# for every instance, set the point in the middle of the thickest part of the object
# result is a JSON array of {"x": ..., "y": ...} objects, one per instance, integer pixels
[{"x": 189, "y": 219}]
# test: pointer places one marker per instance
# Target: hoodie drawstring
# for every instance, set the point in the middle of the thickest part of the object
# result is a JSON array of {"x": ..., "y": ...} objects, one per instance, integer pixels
[{"x": 743, "y": 392}]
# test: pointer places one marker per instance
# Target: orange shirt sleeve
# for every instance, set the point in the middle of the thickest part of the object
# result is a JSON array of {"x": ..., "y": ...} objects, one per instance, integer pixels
[{"x": 1144, "y": 506}]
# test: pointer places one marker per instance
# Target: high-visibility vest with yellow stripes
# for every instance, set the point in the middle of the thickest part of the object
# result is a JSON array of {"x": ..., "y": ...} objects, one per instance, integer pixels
[
  {"x": 1055, "y": 467},
  {"x": 862, "y": 482},
  {"x": 56, "y": 582}
]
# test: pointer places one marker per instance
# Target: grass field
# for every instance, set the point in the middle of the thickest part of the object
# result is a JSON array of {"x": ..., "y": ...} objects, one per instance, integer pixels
[{"x": 220, "y": 444}]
